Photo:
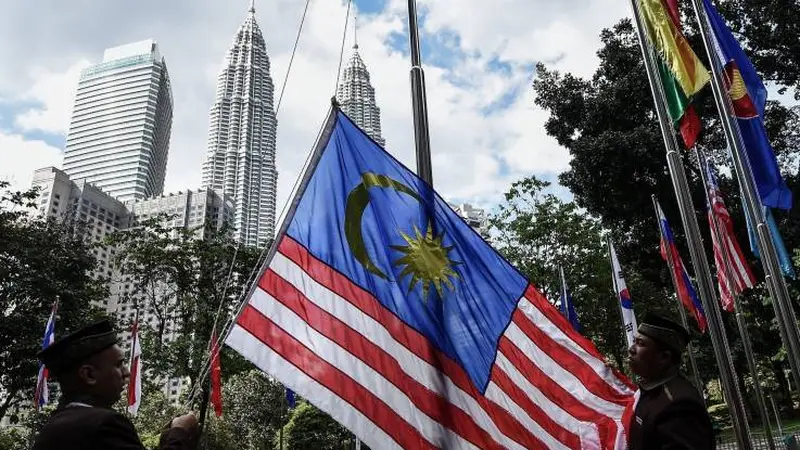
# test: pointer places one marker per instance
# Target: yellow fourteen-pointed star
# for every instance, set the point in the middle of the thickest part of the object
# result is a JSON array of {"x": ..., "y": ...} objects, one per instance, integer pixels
[{"x": 427, "y": 261}]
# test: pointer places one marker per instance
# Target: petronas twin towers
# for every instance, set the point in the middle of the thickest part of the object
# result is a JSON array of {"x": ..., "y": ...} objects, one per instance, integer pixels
[{"x": 240, "y": 160}]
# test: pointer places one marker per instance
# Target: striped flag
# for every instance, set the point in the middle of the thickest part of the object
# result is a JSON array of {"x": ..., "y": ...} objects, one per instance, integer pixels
[
  {"x": 726, "y": 247},
  {"x": 42, "y": 394},
  {"x": 383, "y": 308},
  {"x": 683, "y": 284},
  {"x": 135, "y": 381}
]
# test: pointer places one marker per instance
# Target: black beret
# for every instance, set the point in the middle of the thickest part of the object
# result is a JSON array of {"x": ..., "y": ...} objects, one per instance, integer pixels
[
  {"x": 665, "y": 331},
  {"x": 72, "y": 350}
]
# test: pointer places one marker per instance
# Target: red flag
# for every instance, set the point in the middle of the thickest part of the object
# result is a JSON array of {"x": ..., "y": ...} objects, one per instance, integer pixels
[
  {"x": 135, "y": 382},
  {"x": 216, "y": 376},
  {"x": 674, "y": 13}
]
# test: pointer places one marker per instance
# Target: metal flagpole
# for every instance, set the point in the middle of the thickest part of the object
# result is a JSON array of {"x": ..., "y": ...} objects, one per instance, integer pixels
[
  {"x": 719, "y": 341},
  {"x": 702, "y": 163},
  {"x": 787, "y": 321},
  {"x": 684, "y": 320},
  {"x": 419, "y": 100},
  {"x": 564, "y": 305}
]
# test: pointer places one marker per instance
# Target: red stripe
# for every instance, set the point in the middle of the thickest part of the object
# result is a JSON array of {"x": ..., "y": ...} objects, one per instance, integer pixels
[
  {"x": 537, "y": 299},
  {"x": 569, "y": 361},
  {"x": 428, "y": 402},
  {"x": 400, "y": 332},
  {"x": 557, "y": 394},
  {"x": 331, "y": 378},
  {"x": 499, "y": 377}
]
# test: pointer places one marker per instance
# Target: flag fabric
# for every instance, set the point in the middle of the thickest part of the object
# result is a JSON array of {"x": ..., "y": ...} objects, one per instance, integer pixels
[
  {"x": 685, "y": 290},
  {"x": 135, "y": 381},
  {"x": 566, "y": 306},
  {"x": 628, "y": 317},
  {"x": 383, "y": 308},
  {"x": 682, "y": 72},
  {"x": 290, "y": 399},
  {"x": 784, "y": 258},
  {"x": 41, "y": 395},
  {"x": 726, "y": 248},
  {"x": 216, "y": 376},
  {"x": 749, "y": 99}
]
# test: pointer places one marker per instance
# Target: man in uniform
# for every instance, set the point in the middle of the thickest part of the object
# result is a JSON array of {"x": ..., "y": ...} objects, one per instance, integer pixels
[
  {"x": 670, "y": 413},
  {"x": 92, "y": 373}
]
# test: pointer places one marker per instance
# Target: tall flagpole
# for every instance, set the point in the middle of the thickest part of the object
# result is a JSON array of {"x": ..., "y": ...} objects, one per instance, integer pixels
[
  {"x": 419, "y": 100},
  {"x": 702, "y": 163},
  {"x": 564, "y": 304},
  {"x": 787, "y": 321},
  {"x": 719, "y": 340},
  {"x": 681, "y": 310}
]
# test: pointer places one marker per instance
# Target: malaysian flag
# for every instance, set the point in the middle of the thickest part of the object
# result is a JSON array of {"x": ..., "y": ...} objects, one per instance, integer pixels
[
  {"x": 42, "y": 394},
  {"x": 383, "y": 308},
  {"x": 726, "y": 248}
]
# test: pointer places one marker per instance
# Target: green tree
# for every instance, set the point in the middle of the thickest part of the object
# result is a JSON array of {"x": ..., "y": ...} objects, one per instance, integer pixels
[
  {"x": 608, "y": 125},
  {"x": 40, "y": 260},
  {"x": 255, "y": 408},
  {"x": 311, "y": 429},
  {"x": 184, "y": 277},
  {"x": 538, "y": 232}
]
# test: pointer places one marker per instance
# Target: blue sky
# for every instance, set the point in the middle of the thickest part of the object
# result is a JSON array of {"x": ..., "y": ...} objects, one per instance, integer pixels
[{"x": 478, "y": 57}]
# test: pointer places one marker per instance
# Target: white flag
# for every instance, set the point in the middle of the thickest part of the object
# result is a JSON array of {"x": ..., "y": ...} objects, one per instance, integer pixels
[{"x": 626, "y": 305}]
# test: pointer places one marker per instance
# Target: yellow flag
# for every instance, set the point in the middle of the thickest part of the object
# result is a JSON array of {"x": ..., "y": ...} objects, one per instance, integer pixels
[{"x": 673, "y": 47}]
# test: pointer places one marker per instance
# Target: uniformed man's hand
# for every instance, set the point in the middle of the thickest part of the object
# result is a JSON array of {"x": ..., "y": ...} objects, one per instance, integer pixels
[{"x": 186, "y": 421}]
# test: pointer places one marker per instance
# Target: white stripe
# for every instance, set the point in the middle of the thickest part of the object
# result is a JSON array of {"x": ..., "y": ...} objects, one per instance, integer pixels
[
  {"x": 377, "y": 333},
  {"x": 586, "y": 431},
  {"x": 740, "y": 270},
  {"x": 548, "y": 328},
  {"x": 370, "y": 379},
  {"x": 343, "y": 412},
  {"x": 561, "y": 376},
  {"x": 495, "y": 393}
]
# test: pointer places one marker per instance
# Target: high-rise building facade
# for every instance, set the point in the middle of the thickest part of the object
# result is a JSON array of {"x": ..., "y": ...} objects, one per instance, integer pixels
[
  {"x": 240, "y": 161},
  {"x": 356, "y": 97},
  {"x": 121, "y": 123}
]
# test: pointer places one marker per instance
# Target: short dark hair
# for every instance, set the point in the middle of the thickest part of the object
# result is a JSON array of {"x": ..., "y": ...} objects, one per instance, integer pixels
[{"x": 675, "y": 356}]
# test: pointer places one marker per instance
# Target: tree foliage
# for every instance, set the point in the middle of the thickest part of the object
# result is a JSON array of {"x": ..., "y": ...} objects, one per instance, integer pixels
[
  {"x": 41, "y": 260},
  {"x": 311, "y": 429},
  {"x": 608, "y": 125}
]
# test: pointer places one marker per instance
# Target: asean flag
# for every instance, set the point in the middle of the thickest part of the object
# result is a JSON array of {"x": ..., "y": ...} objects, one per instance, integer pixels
[{"x": 382, "y": 307}]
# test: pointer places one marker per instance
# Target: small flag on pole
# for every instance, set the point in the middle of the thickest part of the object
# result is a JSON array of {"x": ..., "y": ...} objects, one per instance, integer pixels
[
  {"x": 135, "y": 382},
  {"x": 565, "y": 303},
  {"x": 624, "y": 297},
  {"x": 727, "y": 253},
  {"x": 42, "y": 394},
  {"x": 290, "y": 399},
  {"x": 216, "y": 376},
  {"x": 685, "y": 290}
]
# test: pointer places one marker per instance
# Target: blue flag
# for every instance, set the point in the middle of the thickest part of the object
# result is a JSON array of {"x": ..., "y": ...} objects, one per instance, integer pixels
[
  {"x": 784, "y": 258},
  {"x": 566, "y": 306},
  {"x": 748, "y": 96},
  {"x": 290, "y": 400}
]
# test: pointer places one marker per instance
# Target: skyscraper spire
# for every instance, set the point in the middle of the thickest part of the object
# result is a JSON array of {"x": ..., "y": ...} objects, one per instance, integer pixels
[
  {"x": 252, "y": 6},
  {"x": 240, "y": 160},
  {"x": 355, "y": 31},
  {"x": 356, "y": 96}
]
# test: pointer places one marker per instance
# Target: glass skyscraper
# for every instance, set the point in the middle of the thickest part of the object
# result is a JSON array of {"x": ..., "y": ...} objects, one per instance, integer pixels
[
  {"x": 121, "y": 123},
  {"x": 356, "y": 97}
]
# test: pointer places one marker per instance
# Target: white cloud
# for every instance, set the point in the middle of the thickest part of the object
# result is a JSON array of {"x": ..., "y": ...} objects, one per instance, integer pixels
[
  {"x": 54, "y": 94},
  {"x": 21, "y": 157},
  {"x": 485, "y": 129}
]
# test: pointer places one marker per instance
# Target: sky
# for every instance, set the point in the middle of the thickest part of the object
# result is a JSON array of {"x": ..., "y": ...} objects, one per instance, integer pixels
[{"x": 478, "y": 57}]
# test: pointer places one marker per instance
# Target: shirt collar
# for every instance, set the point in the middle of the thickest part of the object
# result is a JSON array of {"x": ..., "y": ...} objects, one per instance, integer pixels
[{"x": 667, "y": 377}]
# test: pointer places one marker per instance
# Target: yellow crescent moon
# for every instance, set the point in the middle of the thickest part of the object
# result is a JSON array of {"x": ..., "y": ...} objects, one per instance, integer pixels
[{"x": 357, "y": 202}]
